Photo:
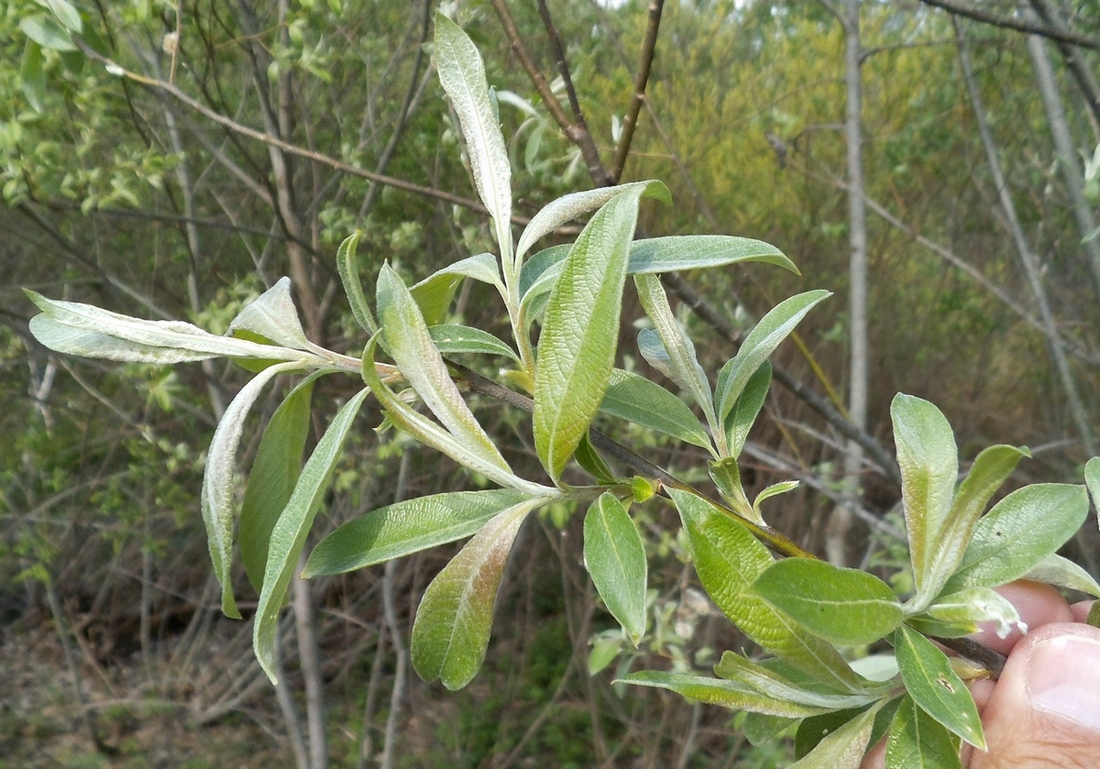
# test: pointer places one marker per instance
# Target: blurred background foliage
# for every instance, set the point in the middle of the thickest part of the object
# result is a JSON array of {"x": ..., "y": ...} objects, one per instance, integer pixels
[{"x": 122, "y": 194}]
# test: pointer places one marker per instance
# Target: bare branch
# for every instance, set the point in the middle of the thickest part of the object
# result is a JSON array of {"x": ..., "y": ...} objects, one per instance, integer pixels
[
  {"x": 963, "y": 8},
  {"x": 641, "y": 80}
]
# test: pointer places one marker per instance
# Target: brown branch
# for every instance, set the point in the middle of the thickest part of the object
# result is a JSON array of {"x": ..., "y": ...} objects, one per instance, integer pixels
[
  {"x": 962, "y": 8},
  {"x": 578, "y": 135},
  {"x": 641, "y": 80},
  {"x": 234, "y": 126}
]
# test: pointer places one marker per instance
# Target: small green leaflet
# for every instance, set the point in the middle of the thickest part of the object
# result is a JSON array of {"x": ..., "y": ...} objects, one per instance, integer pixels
[
  {"x": 272, "y": 316},
  {"x": 428, "y": 432},
  {"x": 410, "y": 344},
  {"x": 638, "y": 400},
  {"x": 1062, "y": 572},
  {"x": 83, "y": 329},
  {"x": 462, "y": 75},
  {"x": 1019, "y": 532},
  {"x": 934, "y": 686},
  {"x": 451, "y": 630},
  {"x": 746, "y": 408},
  {"x": 453, "y": 339},
  {"x": 615, "y": 558},
  {"x": 407, "y": 527},
  {"x": 692, "y": 252},
  {"x": 433, "y": 295},
  {"x": 679, "y": 351},
  {"x": 580, "y": 332},
  {"x": 770, "y": 682},
  {"x": 929, "y": 464},
  {"x": 569, "y": 207},
  {"x": 761, "y": 342},
  {"x": 973, "y": 605},
  {"x": 918, "y": 741},
  {"x": 718, "y": 691},
  {"x": 843, "y": 748},
  {"x": 274, "y": 474},
  {"x": 1092, "y": 481},
  {"x": 290, "y": 531},
  {"x": 990, "y": 469},
  {"x": 348, "y": 266},
  {"x": 846, "y": 607},
  {"x": 217, "y": 481}
]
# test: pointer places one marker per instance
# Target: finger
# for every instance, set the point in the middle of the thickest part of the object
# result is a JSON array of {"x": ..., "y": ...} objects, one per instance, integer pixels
[
  {"x": 1045, "y": 710},
  {"x": 1080, "y": 610},
  {"x": 1037, "y": 604}
]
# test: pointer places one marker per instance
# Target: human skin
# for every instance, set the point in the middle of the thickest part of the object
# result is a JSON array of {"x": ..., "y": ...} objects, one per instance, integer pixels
[{"x": 1044, "y": 710}]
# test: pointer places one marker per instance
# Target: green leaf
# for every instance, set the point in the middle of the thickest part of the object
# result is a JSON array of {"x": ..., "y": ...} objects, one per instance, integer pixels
[
  {"x": 272, "y": 316},
  {"x": 47, "y": 33},
  {"x": 407, "y": 527},
  {"x": 64, "y": 12},
  {"x": 537, "y": 275},
  {"x": 32, "y": 80},
  {"x": 846, "y": 607},
  {"x": 1093, "y": 617},
  {"x": 218, "y": 486},
  {"x": 347, "y": 265},
  {"x": 615, "y": 558},
  {"x": 842, "y": 748},
  {"x": 973, "y": 605},
  {"x": 690, "y": 252},
  {"x": 1092, "y": 481},
  {"x": 814, "y": 729},
  {"x": 1062, "y": 572},
  {"x": 746, "y": 408},
  {"x": 934, "y": 686},
  {"x": 929, "y": 465},
  {"x": 589, "y": 459},
  {"x": 580, "y": 332},
  {"x": 761, "y": 342},
  {"x": 406, "y": 418},
  {"x": 569, "y": 207},
  {"x": 462, "y": 76},
  {"x": 918, "y": 741},
  {"x": 728, "y": 560},
  {"x": 990, "y": 469},
  {"x": 451, "y": 630},
  {"x": 727, "y": 479},
  {"x": 1019, "y": 532},
  {"x": 734, "y": 667},
  {"x": 288, "y": 537},
  {"x": 774, "y": 490},
  {"x": 274, "y": 474},
  {"x": 717, "y": 691},
  {"x": 434, "y": 294},
  {"x": 682, "y": 364},
  {"x": 605, "y": 648},
  {"x": 455, "y": 339},
  {"x": 83, "y": 329},
  {"x": 411, "y": 345},
  {"x": 638, "y": 400}
]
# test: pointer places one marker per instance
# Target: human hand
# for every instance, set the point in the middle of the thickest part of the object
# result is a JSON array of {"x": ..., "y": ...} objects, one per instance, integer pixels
[{"x": 1044, "y": 710}]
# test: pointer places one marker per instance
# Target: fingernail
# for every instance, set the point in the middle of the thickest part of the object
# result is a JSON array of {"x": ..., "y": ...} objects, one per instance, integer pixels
[{"x": 1063, "y": 679}]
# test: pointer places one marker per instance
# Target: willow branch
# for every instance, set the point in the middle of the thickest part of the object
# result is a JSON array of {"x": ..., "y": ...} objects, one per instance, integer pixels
[
  {"x": 641, "y": 80},
  {"x": 577, "y": 134},
  {"x": 961, "y": 8},
  {"x": 317, "y": 157}
]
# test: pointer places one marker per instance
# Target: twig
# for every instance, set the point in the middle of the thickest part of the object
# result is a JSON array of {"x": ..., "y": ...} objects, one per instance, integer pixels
[
  {"x": 578, "y": 135},
  {"x": 970, "y": 11},
  {"x": 641, "y": 80}
]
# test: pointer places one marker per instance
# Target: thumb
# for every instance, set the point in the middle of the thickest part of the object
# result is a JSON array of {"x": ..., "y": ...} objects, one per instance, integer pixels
[{"x": 1045, "y": 710}]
